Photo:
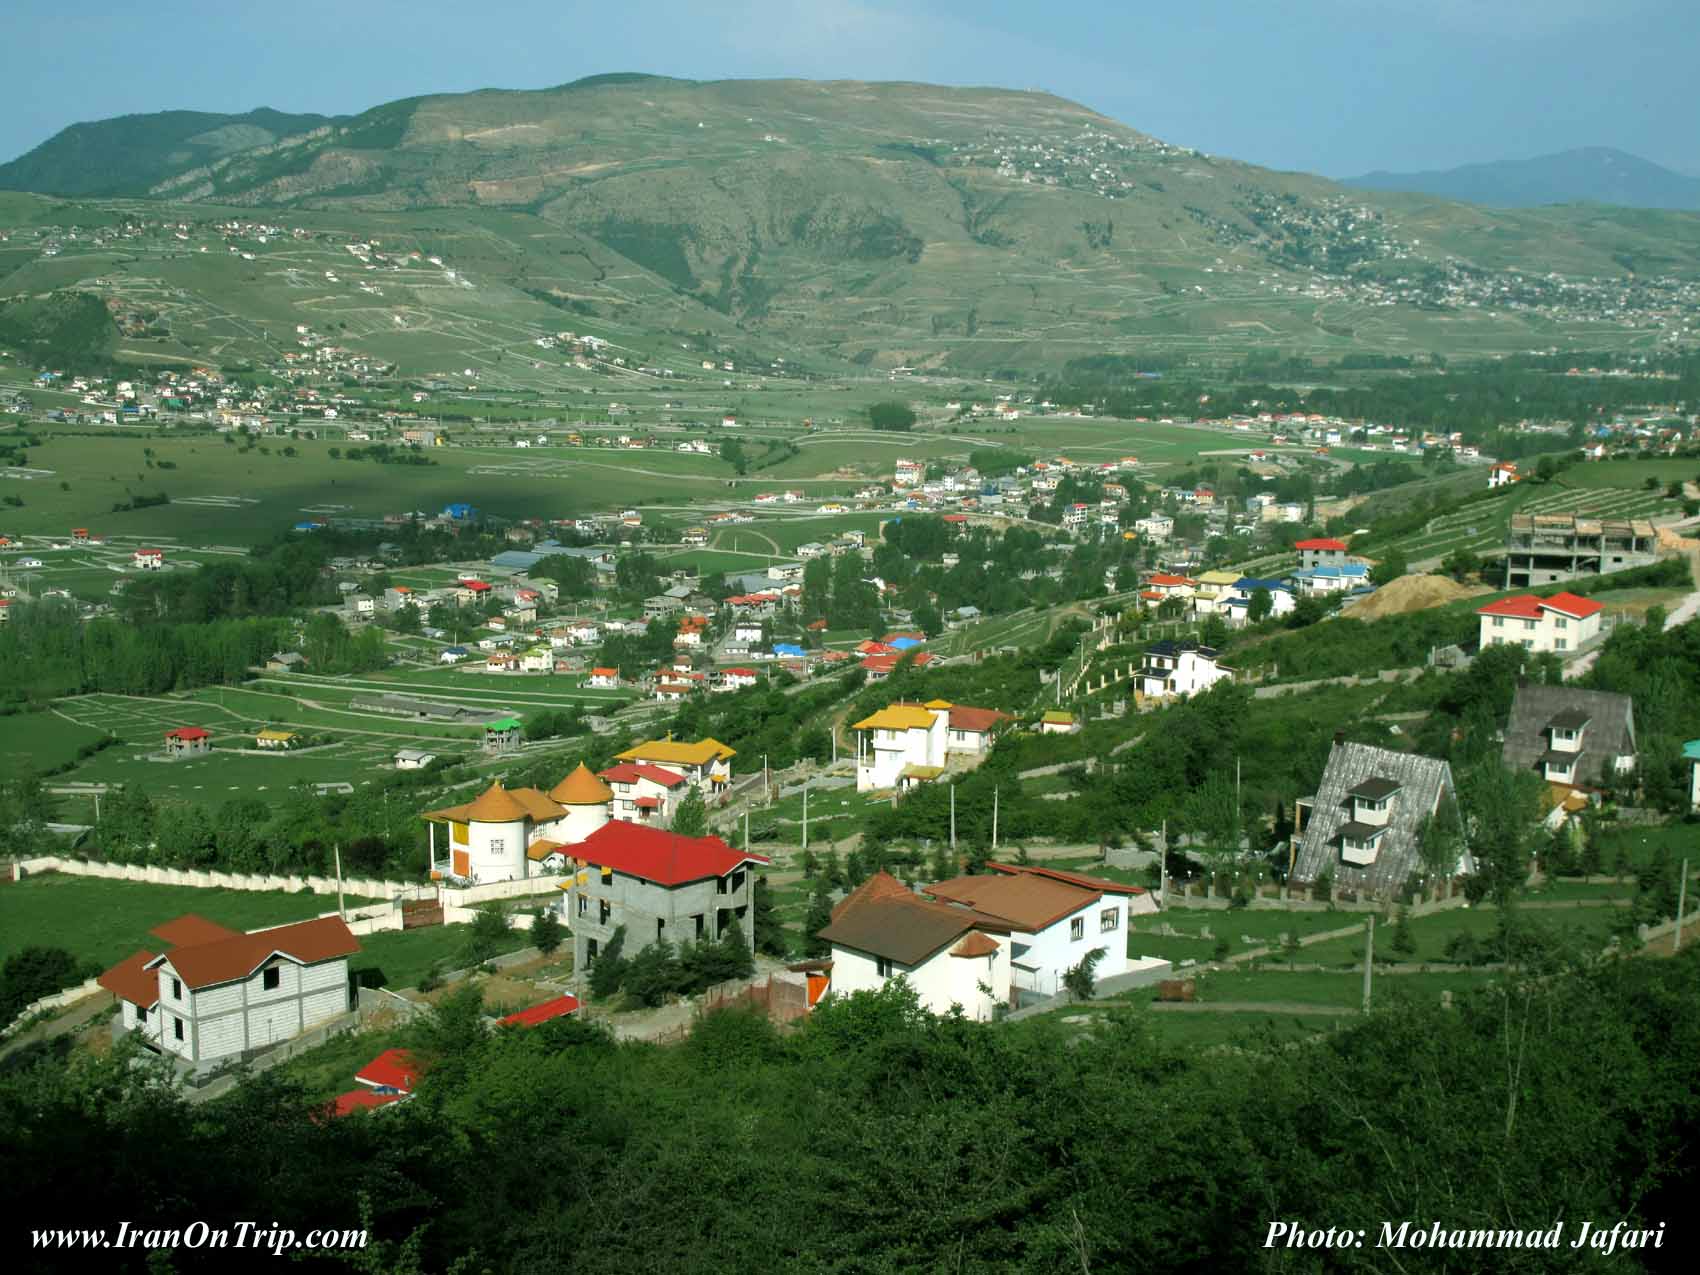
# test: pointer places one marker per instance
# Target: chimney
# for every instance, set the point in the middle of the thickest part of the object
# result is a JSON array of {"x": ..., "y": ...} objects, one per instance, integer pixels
[{"x": 1339, "y": 738}]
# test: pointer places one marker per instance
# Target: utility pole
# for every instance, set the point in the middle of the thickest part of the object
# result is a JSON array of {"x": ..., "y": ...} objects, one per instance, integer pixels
[
  {"x": 1369, "y": 957},
  {"x": 805, "y": 816},
  {"x": 953, "y": 816},
  {"x": 746, "y": 828},
  {"x": 994, "y": 820},
  {"x": 340, "y": 911},
  {"x": 1163, "y": 863},
  {"x": 1681, "y": 900}
]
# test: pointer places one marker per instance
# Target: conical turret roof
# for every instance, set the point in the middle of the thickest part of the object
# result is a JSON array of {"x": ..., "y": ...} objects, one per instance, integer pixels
[
  {"x": 581, "y": 788},
  {"x": 497, "y": 805}
]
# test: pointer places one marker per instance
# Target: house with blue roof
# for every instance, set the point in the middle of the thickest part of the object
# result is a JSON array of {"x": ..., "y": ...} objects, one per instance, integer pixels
[
  {"x": 1237, "y": 605},
  {"x": 1347, "y": 578},
  {"x": 788, "y": 651}
]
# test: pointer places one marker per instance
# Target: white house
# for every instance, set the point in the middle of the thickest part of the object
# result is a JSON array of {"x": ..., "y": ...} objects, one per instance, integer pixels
[
  {"x": 413, "y": 759},
  {"x": 603, "y": 678},
  {"x": 1179, "y": 668},
  {"x": 1321, "y": 553},
  {"x": 950, "y": 955},
  {"x": 1055, "y": 919},
  {"x": 911, "y": 743},
  {"x": 644, "y": 794},
  {"x": 218, "y": 994},
  {"x": 1238, "y": 603},
  {"x": 1502, "y": 474},
  {"x": 704, "y": 763},
  {"x": 1562, "y": 622},
  {"x": 504, "y": 831},
  {"x": 147, "y": 559}
]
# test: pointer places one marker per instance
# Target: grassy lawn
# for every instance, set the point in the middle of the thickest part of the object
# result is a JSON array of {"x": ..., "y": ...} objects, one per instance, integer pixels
[
  {"x": 104, "y": 921},
  {"x": 1201, "y": 1030},
  {"x": 40, "y": 741},
  {"x": 1235, "y": 925},
  {"x": 1624, "y": 849},
  {"x": 1344, "y": 990},
  {"x": 402, "y": 957}
]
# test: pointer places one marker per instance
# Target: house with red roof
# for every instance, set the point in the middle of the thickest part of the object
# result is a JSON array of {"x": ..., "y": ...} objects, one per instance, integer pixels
[
  {"x": 215, "y": 995},
  {"x": 1321, "y": 552},
  {"x": 736, "y": 679},
  {"x": 1560, "y": 623},
  {"x": 1503, "y": 474},
  {"x": 187, "y": 741},
  {"x": 548, "y": 1011},
  {"x": 879, "y": 667},
  {"x": 655, "y": 885},
  {"x": 148, "y": 559},
  {"x": 948, "y": 953},
  {"x": 1055, "y": 918},
  {"x": 644, "y": 793}
]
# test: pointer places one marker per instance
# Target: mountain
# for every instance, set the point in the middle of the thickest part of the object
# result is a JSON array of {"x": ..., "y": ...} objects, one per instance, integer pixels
[
  {"x": 128, "y": 155},
  {"x": 874, "y": 224},
  {"x": 1591, "y": 174}
]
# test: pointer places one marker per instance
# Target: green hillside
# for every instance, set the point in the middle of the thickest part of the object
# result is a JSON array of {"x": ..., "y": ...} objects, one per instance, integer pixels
[
  {"x": 969, "y": 230},
  {"x": 128, "y": 155}
]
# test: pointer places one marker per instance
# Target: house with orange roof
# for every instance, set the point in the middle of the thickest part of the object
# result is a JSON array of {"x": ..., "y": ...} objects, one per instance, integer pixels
[
  {"x": 1055, "y": 918},
  {"x": 951, "y": 955},
  {"x": 216, "y": 995},
  {"x": 1559, "y": 623},
  {"x": 505, "y": 833}
]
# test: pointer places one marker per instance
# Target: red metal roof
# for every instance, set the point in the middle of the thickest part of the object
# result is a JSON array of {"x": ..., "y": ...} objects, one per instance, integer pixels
[
  {"x": 1339, "y": 545},
  {"x": 1529, "y": 606},
  {"x": 560, "y": 1007},
  {"x": 188, "y": 732},
  {"x": 362, "y": 1099},
  {"x": 629, "y": 772},
  {"x": 392, "y": 1069},
  {"x": 648, "y": 803},
  {"x": 659, "y": 856},
  {"x": 1169, "y": 580}
]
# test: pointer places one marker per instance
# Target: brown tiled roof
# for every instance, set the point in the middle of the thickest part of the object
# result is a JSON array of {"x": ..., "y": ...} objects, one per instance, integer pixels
[
  {"x": 975, "y": 719},
  {"x": 189, "y": 929},
  {"x": 132, "y": 980},
  {"x": 1073, "y": 878},
  {"x": 225, "y": 960},
  {"x": 1027, "y": 902},
  {"x": 883, "y": 918},
  {"x": 975, "y": 944}
]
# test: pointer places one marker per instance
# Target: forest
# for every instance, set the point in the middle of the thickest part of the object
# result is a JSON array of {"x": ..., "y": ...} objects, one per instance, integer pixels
[{"x": 877, "y": 1138}]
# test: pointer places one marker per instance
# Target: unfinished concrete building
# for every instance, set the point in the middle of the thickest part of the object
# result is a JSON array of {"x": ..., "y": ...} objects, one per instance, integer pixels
[{"x": 1552, "y": 548}]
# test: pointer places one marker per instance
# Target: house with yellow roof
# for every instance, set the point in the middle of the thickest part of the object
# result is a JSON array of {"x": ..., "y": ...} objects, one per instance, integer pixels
[
  {"x": 270, "y": 738},
  {"x": 706, "y": 764},
  {"x": 906, "y": 744},
  {"x": 507, "y": 834}
]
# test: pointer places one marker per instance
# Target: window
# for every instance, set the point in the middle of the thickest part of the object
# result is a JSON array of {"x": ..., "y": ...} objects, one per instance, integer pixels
[
  {"x": 660, "y": 927},
  {"x": 271, "y": 979},
  {"x": 1559, "y": 622},
  {"x": 590, "y": 950},
  {"x": 698, "y": 919},
  {"x": 1077, "y": 929},
  {"x": 883, "y": 967},
  {"x": 583, "y": 905},
  {"x": 176, "y": 989},
  {"x": 141, "y": 1013},
  {"x": 1109, "y": 919},
  {"x": 496, "y": 845},
  {"x": 605, "y": 910},
  {"x": 177, "y": 1028},
  {"x": 1561, "y": 644}
]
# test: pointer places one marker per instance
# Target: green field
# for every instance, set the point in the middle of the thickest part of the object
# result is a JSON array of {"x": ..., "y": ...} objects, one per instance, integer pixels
[
  {"x": 103, "y": 921},
  {"x": 400, "y": 958},
  {"x": 41, "y": 741}
]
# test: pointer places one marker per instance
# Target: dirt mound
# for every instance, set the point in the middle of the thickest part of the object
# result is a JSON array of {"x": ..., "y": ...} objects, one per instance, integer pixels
[
  {"x": 1668, "y": 539},
  {"x": 1407, "y": 594}
]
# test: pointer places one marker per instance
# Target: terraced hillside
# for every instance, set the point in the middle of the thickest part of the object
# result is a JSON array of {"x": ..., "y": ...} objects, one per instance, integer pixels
[{"x": 874, "y": 224}]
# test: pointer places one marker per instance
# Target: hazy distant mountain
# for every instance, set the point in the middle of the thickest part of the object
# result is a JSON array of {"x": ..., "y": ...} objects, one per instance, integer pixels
[
  {"x": 1591, "y": 174},
  {"x": 129, "y": 155}
]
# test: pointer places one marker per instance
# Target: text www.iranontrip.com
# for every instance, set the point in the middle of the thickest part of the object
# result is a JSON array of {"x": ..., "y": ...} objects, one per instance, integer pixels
[{"x": 239, "y": 1235}]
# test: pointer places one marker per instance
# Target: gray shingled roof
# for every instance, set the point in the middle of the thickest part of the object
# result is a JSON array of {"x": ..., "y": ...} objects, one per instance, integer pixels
[
  {"x": 1610, "y": 731},
  {"x": 1422, "y": 782}
]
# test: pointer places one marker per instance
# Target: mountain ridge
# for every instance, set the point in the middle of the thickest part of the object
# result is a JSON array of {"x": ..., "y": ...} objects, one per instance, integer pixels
[
  {"x": 1584, "y": 174},
  {"x": 882, "y": 224}
]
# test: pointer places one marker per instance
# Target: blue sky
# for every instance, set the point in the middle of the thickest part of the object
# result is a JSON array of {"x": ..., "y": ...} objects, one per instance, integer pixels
[{"x": 1328, "y": 86}]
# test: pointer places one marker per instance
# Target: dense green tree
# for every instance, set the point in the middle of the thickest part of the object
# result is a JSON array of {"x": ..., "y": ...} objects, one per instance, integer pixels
[{"x": 690, "y": 817}]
